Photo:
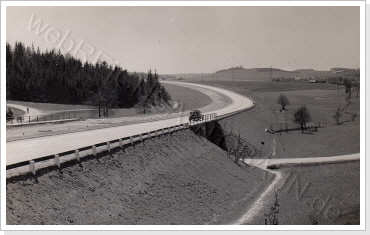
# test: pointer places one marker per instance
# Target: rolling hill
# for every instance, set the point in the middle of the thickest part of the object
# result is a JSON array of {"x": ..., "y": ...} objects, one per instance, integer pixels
[{"x": 252, "y": 74}]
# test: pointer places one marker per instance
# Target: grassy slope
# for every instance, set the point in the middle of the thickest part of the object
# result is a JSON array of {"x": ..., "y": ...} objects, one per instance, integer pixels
[
  {"x": 191, "y": 99},
  {"x": 181, "y": 179},
  {"x": 333, "y": 190},
  {"x": 16, "y": 112}
]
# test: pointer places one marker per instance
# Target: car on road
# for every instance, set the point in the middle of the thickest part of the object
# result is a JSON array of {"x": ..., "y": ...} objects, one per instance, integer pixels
[{"x": 195, "y": 115}]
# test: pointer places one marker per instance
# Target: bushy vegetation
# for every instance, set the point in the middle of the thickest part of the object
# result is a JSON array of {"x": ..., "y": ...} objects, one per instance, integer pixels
[
  {"x": 271, "y": 218},
  {"x": 9, "y": 114},
  {"x": 52, "y": 77}
]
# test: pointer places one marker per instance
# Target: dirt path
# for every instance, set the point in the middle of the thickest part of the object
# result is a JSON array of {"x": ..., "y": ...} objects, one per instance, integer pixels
[{"x": 261, "y": 202}]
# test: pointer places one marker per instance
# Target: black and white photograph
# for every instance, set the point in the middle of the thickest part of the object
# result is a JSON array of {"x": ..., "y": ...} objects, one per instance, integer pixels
[{"x": 186, "y": 116}]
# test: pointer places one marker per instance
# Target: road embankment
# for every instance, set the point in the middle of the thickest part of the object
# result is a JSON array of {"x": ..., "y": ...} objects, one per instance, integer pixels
[{"x": 178, "y": 178}]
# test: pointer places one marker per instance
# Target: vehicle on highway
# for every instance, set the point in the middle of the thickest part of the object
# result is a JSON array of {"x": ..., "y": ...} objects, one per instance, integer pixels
[{"x": 195, "y": 115}]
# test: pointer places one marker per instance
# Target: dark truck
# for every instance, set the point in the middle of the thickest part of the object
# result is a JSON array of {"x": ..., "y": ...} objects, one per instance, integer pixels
[{"x": 195, "y": 115}]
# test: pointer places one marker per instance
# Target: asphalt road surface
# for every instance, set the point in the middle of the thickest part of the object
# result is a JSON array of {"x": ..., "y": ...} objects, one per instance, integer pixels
[{"x": 28, "y": 149}]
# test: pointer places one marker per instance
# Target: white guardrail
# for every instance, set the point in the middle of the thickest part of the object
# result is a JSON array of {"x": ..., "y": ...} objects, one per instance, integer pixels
[{"x": 126, "y": 140}]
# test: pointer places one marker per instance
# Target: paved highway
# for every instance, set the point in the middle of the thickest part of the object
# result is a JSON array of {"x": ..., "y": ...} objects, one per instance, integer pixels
[{"x": 23, "y": 150}]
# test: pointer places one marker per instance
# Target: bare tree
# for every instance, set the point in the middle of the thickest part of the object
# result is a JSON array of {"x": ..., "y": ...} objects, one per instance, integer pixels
[
  {"x": 103, "y": 99},
  {"x": 302, "y": 116},
  {"x": 283, "y": 101},
  {"x": 143, "y": 104},
  {"x": 357, "y": 87},
  {"x": 348, "y": 85},
  {"x": 337, "y": 115}
]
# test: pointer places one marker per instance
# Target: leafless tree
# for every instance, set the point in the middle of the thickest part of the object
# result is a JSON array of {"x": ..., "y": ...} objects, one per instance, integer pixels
[
  {"x": 302, "y": 116},
  {"x": 143, "y": 104},
  {"x": 104, "y": 99},
  {"x": 337, "y": 115},
  {"x": 283, "y": 101}
]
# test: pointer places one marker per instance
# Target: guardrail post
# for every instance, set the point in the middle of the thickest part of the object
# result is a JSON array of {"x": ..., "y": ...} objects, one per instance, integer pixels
[
  {"x": 156, "y": 133},
  {"x": 149, "y": 134},
  {"x": 163, "y": 131},
  {"x": 57, "y": 160},
  {"x": 141, "y": 137},
  {"x": 32, "y": 167},
  {"x": 108, "y": 146},
  {"x": 77, "y": 155},
  {"x": 93, "y": 149},
  {"x": 29, "y": 119},
  {"x": 131, "y": 140},
  {"x": 120, "y": 143}
]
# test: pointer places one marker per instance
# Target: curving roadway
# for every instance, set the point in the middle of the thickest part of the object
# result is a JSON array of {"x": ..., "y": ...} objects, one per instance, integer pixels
[{"x": 28, "y": 149}]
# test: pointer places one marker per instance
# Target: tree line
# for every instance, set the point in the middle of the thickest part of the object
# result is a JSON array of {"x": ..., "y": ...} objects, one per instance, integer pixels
[{"x": 52, "y": 77}]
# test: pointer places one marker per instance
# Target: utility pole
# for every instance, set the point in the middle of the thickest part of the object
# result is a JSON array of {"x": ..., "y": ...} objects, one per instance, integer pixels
[
  {"x": 233, "y": 73},
  {"x": 270, "y": 75}
]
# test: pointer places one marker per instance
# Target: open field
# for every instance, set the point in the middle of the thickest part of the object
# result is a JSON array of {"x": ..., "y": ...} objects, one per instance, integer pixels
[
  {"x": 260, "y": 86},
  {"x": 251, "y": 74},
  {"x": 175, "y": 179},
  {"x": 329, "y": 141},
  {"x": 332, "y": 189},
  {"x": 190, "y": 98}
]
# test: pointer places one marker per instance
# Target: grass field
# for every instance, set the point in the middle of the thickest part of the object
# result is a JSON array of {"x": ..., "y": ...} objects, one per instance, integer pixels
[
  {"x": 321, "y": 101},
  {"x": 191, "y": 99},
  {"x": 260, "y": 86},
  {"x": 332, "y": 189}
]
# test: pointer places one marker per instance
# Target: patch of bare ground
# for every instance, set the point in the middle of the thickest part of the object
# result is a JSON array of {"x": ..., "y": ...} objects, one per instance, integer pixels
[
  {"x": 329, "y": 193},
  {"x": 178, "y": 178}
]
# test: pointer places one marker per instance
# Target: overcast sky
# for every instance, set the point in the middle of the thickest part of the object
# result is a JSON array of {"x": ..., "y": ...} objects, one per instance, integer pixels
[{"x": 192, "y": 39}]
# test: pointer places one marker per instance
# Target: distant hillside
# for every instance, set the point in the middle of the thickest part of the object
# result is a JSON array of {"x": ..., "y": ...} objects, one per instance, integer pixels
[
  {"x": 256, "y": 74},
  {"x": 304, "y": 70}
]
